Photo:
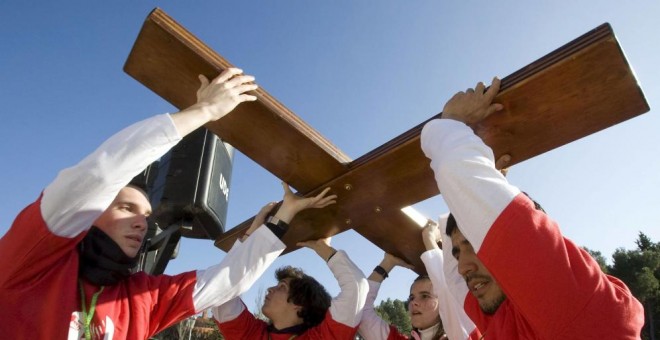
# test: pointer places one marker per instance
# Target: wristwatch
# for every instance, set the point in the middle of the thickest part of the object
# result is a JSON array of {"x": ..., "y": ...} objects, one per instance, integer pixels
[{"x": 277, "y": 226}]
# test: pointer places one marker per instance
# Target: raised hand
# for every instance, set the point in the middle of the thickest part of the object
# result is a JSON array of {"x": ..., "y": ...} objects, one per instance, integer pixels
[
  {"x": 293, "y": 204},
  {"x": 390, "y": 261},
  {"x": 473, "y": 105},
  {"x": 221, "y": 95},
  {"x": 259, "y": 219},
  {"x": 431, "y": 235},
  {"x": 215, "y": 99},
  {"x": 321, "y": 246}
]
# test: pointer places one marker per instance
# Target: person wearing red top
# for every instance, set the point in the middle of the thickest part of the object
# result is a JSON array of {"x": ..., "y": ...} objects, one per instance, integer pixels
[
  {"x": 67, "y": 258},
  {"x": 299, "y": 306},
  {"x": 509, "y": 265}
]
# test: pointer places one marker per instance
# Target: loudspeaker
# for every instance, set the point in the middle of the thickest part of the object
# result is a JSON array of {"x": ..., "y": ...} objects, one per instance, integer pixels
[{"x": 191, "y": 188}]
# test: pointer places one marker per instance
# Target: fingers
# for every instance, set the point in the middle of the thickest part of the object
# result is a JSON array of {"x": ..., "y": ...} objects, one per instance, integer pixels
[
  {"x": 203, "y": 81},
  {"x": 480, "y": 88},
  {"x": 502, "y": 164},
  {"x": 503, "y": 161},
  {"x": 247, "y": 98},
  {"x": 493, "y": 89},
  {"x": 492, "y": 108},
  {"x": 330, "y": 200},
  {"x": 304, "y": 244},
  {"x": 239, "y": 80},
  {"x": 287, "y": 189},
  {"x": 227, "y": 74},
  {"x": 266, "y": 209},
  {"x": 245, "y": 88},
  {"x": 322, "y": 201},
  {"x": 325, "y": 191}
]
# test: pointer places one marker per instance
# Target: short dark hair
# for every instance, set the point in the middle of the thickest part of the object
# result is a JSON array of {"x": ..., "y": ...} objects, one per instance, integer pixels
[
  {"x": 306, "y": 292},
  {"x": 452, "y": 225}
]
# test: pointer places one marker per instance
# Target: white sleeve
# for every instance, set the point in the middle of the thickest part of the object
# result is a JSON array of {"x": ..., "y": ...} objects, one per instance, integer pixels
[
  {"x": 78, "y": 195},
  {"x": 229, "y": 310},
  {"x": 347, "y": 307},
  {"x": 238, "y": 270},
  {"x": 456, "y": 323},
  {"x": 372, "y": 327},
  {"x": 475, "y": 192}
]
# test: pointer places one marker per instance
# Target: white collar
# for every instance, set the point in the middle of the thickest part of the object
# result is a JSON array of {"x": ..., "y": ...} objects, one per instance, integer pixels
[{"x": 427, "y": 334}]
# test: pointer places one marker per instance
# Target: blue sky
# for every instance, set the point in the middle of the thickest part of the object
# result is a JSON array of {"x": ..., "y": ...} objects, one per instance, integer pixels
[{"x": 360, "y": 72}]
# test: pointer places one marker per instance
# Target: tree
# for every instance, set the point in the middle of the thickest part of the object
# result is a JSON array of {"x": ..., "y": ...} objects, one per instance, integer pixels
[
  {"x": 639, "y": 269},
  {"x": 598, "y": 256},
  {"x": 394, "y": 312}
]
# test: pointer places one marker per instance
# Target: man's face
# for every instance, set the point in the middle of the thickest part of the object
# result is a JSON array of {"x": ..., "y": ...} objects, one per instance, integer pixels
[
  {"x": 423, "y": 305},
  {"x": 479, "y": 281},
  {"x": 125, "y": 220},
  {"x": 276, "y": 305}
]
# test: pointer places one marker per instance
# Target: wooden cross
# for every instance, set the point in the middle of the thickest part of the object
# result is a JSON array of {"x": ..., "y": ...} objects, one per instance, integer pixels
[{"x": 580, "y": 88}]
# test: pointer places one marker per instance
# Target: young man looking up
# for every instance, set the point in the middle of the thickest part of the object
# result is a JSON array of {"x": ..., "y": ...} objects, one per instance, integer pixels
[
  {"x": 510, "y": 267},
  {"x": 299, "y": 307},
  {"x": 67, "y": 257}
]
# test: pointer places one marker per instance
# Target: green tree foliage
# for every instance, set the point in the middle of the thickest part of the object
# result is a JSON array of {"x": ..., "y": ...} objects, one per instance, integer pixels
[
  {"x": 598, "y": 256},
  {"x": 640, "y": 270},
  {"x": 394, "y": 312},
  {"x": 195, "y": 328}
]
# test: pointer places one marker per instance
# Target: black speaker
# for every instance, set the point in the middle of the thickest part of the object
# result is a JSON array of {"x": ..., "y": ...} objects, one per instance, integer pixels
[{"x": 191, "y": 188}]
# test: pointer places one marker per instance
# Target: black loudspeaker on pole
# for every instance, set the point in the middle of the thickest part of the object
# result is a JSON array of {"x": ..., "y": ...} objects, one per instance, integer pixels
[{"x": 189, "y": 191}]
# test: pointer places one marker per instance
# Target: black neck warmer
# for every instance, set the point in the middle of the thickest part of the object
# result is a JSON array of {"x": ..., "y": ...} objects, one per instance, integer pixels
[
  {"x": 297, "y": 329},
  {"x": 102, "y": 262}
]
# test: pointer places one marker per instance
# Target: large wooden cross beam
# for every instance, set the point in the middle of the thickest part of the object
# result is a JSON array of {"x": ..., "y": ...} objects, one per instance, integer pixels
[{"x": 581, "y": 88}]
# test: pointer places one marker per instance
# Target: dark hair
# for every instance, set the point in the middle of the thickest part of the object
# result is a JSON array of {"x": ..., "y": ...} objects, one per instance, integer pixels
[
  {"x": 306, "y": 292},
  {"x": 452, "y": 225}
]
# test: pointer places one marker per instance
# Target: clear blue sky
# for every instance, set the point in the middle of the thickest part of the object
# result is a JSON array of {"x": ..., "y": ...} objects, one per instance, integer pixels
[{"x": 360, "y": 72}]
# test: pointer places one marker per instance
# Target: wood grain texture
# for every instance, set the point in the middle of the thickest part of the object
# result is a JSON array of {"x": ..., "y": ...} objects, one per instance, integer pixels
[{"x": 581, "y": 88}]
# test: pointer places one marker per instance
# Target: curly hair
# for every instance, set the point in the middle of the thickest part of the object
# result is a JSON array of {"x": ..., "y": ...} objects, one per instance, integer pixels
[{"x": 306, "y": 292}]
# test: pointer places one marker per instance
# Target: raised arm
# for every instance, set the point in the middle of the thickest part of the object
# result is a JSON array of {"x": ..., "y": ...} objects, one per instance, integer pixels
[
  {"x": 229, "y": 306},
  {"x": 372, "y": 327},
  {"x": 346, "y": 308},
  {"x": 513, "y": 239},
  {"x": 456, "y": 323},
  {"x": 73, "y": 201}
]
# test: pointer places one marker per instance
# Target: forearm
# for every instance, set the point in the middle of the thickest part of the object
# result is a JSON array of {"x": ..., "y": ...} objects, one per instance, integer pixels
[
  {"x": 372, "y": 327},
  {"x": 456, "y": 323},
  {"x": 347, "y": 306},
  {"x": 238, "y": 270},
  {"x": 73, "y": 201},
  {"x": 465, "y": 173},
  {"x": 513, "y": 239},
  {"x": 191, "y": 118},
  {"x": 229, "y": 310},
  {"x": 386, "y": 266}
]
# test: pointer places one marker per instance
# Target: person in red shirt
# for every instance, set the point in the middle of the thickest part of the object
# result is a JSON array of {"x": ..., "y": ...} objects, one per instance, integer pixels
[
  {"x": 509, "y": 265},
  {"x": 298, "y": 306},
  {"x": 67, "y": 258}
]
